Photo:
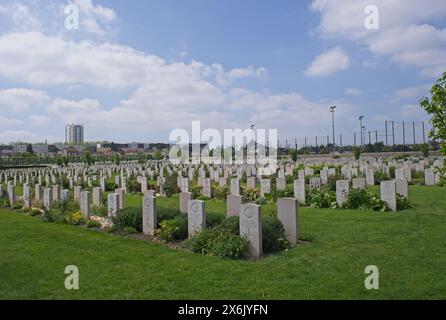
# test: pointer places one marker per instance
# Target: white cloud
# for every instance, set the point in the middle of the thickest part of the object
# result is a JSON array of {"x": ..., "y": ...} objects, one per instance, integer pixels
[
  {"x": 9, "y": 122},
  {"x": 406, "y": 33},
  {"x": 353, "y": 92},
  {"x": 328, "y": 63},
  {"x": 21, "y": 16},
  {"x": 412, "y": 92},
  {"x": 21, "y": 100},
  {"x": 95, "y": 19},
  {"x": 412, "y": 112},
  {"x": 38, "y": 121}
]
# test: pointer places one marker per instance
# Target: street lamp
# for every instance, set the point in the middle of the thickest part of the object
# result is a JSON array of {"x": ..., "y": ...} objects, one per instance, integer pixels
[
  {"x": 332, "y": 110},
  {"x": 361, "y": 127}
]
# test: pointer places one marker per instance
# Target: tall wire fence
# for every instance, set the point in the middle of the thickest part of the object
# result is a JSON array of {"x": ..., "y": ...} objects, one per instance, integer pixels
[{"x": 392, "y": 133}]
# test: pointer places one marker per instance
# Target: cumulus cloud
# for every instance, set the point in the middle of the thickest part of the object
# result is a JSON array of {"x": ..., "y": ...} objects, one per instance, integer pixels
[
  {"x": 404, "y": 33},
  {"x": 328, "y": 63},
  {"x": 412, "y": 92},
  {"x": 20, "y": 100}
]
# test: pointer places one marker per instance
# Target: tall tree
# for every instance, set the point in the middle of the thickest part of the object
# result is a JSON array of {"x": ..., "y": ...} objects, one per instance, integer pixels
[{"x": 435, "y": 106}]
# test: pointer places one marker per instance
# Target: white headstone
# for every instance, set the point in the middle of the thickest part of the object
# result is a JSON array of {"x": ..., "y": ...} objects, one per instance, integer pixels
[
  {"x": 251, "y": 227},
  {"x": 196, "y": 218}
]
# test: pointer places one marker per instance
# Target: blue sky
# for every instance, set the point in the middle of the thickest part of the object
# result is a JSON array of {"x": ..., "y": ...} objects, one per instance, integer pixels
[{"x": 135, "y": 70}]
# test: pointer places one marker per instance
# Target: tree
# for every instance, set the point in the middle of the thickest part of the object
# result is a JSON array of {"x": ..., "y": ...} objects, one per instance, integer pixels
[
  {"x": 293, "y": 154},
  {"x": 89, "y": 158},
  {"x": 357, "y": 153},
  {"x": 158, "y": 155},
  {"x": 436, "y": 108}
]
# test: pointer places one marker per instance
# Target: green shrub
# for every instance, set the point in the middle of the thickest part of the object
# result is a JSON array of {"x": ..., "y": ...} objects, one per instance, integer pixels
[
  {"x": 76, "y": 218},
  {"x": 167, "y": 213},
  {"x": 231, "y": 224},
  {"x": 133, "y": 186},
  {"x": 218, "y": 242},
  {"x": 381, "y": 176},
  {"x": 261, "y": 201},
  {"x": 110, "y": 186},
  {"x": 17, "y": 205},
  {"x": 331, "y": 181},
  {"x": 196, "y": 191},
  {"x": 128, "y": 230},
  {"x": 35, "y": 212},
  {"x": 251, "y": 195},
  {"x": 402, "y": 203},
  {"x": 173, "y": 229},
  {"x": 100, "y": 211},
  {"x": 214, "y": 218},
  {"x": 321, "y": 198},
  {"x": 220, "y": 192},
  {"x": 60, "y": 210},
  {"x": 273, "y": 235},
  {"x": 169, "y": 185},
  {"x": 93, "y": 224},
  {"x": 363, "y": 199},
  {"x": 128, "y": 217},
  {"x": 4, "y": 203},
  {"x": 357, "y": 153}
]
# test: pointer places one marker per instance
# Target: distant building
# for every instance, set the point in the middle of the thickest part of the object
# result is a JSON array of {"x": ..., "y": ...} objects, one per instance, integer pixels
[
  {"x": 6, "y": 151},
  {"x": 71, "y": 152},
  {"x": 19, "y": 148},
  {"x": 74, "y": 133},
  {"x": 40, "y": 148}
]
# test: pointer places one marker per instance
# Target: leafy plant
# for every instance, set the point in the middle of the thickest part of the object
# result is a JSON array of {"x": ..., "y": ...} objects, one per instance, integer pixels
[
  {"x": 364, "y": 199},
  {"x": 173, "y": 229},
  {"x": 357, "y": 153},
  {"x": 436, "y": 107},
  {"x": 251, "y": 195},
  {"x": 402, "y": 203},
  {"x": 76, "y": 218},
  {"x": 273, "y": 235},
  {"x": 128, "y": 217},
  {"x": 218, "y": 242},
  {"x": 93, "y": 224},
  {"x": 321, "y": 198}
]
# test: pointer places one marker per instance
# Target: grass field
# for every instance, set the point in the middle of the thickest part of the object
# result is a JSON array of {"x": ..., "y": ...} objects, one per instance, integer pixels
[{"x": 409, "y": 248}]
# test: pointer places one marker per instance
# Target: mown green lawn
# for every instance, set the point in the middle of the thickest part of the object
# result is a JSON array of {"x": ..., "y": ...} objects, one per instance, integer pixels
[{"x": 409, "y": 248}]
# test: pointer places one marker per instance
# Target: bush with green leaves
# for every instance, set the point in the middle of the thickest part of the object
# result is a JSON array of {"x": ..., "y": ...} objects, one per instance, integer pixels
[
  {"x": 273, "y": 235},
  {"x": 214, "y": 218},
  {"x": 321, "y": 198},
  {"x": 18, "y": 205},
  {"x": 357, "y": 153},
  {"x": 4, "y": 202},
  {"x": 100, "y": 211},
  {"x": 93, "y": 224},
  {"x": 169, "y": 184},
  {"x": 167, "y": 213},
  {"x": 61, "y": 211},
  {"x": 331, "y": 181},
  {"x": 128, "y": 217},
  {"x": 35, "y": 212},
  {"x": 173, "y": 229},
  {"x": 110, "y": 186},
  {"x": 75, "y": 218},
  {"x": 364, "y": 199},
  {"x": 231, "y": 224},
  {"x": 220, "y": 192},
  {"x": 251, "y": 195},
  {"x": 402, "y": 203},
  {"x": 133, "y": 186},
  {"x": 218, "y": 242},
  {"x": 380, "y": 176},
  {"x": 196, "y": 191}
]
